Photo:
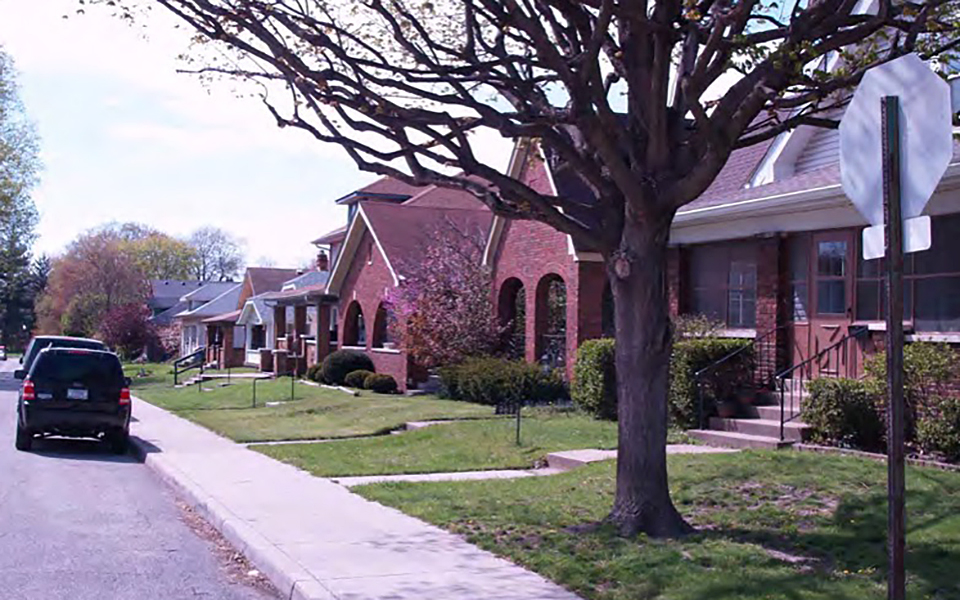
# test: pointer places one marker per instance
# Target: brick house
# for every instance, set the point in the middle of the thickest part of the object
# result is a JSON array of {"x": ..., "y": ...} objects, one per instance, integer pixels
[{"x": 385, "y": 237}]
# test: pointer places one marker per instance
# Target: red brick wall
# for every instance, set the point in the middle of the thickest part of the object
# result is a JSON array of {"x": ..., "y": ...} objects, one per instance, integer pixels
[
  {"x": 531, "y": 251},
  {"x": 367, "y": 281}
]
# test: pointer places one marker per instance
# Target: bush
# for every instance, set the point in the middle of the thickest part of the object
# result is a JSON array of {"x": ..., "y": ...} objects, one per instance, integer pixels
[
  {"x": 356, "y": 379},
  {"x": 496, "y": 381},
  {"x": 595, "y": 379},
  {"x": 380, "y": 383},
  {"x": 594, "y": 386},
  {"x": 315, "y": 372},
  {"x": 337, "y": 365},
  {"x": 938, "y": 428},
  {"x": 693, "y": 354},
  {"x": 844, "y": 412}
]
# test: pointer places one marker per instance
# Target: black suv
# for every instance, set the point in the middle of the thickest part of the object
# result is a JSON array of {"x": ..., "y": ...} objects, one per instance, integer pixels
[
  {"x": 74, "y": 392},
  {"x": 40, "y": 342}
]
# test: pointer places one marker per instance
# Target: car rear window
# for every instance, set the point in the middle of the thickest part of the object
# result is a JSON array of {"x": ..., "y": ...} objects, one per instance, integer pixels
[
  {"x": 91, "y": 369},
  {"x": 39, "y": 344}
]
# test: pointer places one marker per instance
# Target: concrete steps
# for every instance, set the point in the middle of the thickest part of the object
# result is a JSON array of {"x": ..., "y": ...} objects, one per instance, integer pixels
[
  {"x": 734, "y": 439},
  {"x": 793, "y": 431}
]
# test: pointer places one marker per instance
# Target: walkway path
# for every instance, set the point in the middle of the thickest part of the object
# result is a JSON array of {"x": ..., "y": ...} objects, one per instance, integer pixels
[{"x": 314, "y": 538}]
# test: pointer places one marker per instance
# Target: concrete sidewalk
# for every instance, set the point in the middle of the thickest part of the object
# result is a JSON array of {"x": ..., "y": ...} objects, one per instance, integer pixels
[{"x": 315, "y": 539}]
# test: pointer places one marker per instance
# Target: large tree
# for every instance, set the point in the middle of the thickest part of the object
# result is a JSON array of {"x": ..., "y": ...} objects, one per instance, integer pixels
[
  {"x": 219, "y": 255},
  {"x": 159, "y": 256},
  {"x": 618, "y": 91},
  {"x": 19, "y": 164}
]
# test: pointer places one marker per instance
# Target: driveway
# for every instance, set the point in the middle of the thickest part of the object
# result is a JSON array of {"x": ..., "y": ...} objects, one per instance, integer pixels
[{"x": 79, "y": 523}]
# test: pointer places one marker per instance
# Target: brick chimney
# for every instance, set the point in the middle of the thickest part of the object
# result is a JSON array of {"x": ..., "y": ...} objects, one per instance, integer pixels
[{"x": 323, "y": 263}]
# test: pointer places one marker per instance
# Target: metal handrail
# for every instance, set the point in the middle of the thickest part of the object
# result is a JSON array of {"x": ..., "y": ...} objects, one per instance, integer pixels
[
  {"x": 699, "y": 375},
  {"x": 193, "y": 360},
  {"x": 803, "y": 367}
]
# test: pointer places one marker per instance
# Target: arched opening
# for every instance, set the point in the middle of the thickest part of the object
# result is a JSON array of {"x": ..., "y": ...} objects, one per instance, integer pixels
[
  {"x": 354, "y": 329},
  {"x": 551, "y": 321},
  {"x": 512, "y": 313},
  {"x": 607, "y": 323},
  {"x": 381, "y": 329}
]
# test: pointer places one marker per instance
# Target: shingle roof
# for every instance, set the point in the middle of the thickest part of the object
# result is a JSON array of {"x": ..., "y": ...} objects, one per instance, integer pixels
[
  {"x": 386, "y": 188},
  {"x": 312, "y": 277},
  {"x": 166, "y": 292},
  {"x": 438, "y": 197},
  {"x": 229, "y": 317},
  {"x": 222, "y": 303},
  {"x": 268, "y": 279},
  {"x": 404, "y": 231},
  {"x": 209, "y": 291},
  {"x": 332, "y": 237}
]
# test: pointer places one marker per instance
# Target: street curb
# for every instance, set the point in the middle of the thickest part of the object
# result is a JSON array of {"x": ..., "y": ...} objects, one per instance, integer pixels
[{"x": 291, "y": 579}]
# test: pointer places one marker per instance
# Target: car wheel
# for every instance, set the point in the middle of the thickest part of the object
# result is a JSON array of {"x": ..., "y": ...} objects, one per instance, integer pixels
[
  {"x": 24, "y": 439},
  {"x": 119, "y": 442}
]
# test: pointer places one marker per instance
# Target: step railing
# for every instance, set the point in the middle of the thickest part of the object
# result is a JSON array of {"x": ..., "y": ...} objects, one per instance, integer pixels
[
  {"x": 838, "y": 360},
  {"x": 194, "y": 360},
  {"x": 760, "y": 346}
]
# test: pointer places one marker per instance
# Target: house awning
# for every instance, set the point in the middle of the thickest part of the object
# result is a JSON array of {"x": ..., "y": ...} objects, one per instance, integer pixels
[{"x": 230, "y": 317}]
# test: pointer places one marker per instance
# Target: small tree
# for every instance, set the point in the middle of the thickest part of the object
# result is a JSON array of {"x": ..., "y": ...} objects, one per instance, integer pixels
[
  {"x": 441, "y": 311},
  {"x": 128, "y": 330}
]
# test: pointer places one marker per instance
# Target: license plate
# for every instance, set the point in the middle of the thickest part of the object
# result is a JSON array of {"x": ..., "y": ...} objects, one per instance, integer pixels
[{"x": 76, "y": 394}]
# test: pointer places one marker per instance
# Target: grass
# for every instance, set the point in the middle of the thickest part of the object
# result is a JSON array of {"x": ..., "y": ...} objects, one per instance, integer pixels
[
  {"x": 315, "y": 413},
  {"x": 784, "y": 525},
  {"x": 465, "y": 446}
]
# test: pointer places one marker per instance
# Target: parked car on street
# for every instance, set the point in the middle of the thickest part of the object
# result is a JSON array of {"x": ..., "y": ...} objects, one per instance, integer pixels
[
  {"x": 3, "y": 353},
  {"x": 74, "y": 392},
  {"x": 40, "y": 342}
]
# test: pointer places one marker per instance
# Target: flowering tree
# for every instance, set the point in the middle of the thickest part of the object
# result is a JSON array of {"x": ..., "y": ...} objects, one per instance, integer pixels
[
  {"x": 442, "y": 312},
  {"x": 127, "y": 329}
]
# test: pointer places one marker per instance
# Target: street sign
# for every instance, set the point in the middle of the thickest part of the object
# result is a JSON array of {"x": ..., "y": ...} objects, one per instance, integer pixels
[{"x": 926, "y": 147}]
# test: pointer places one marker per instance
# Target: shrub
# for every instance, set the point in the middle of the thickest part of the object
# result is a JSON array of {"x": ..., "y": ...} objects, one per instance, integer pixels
[
  {"x": 844, "y": 412},
  {"x": 338, "y": 364},
  {"x": 380, "y": 383},
  {"x": 356, "y": 379},
  {"x": 938, "y": 428},
  {"x": 693, "y": 354},
  {"x": 594, "y": 387},
  {"x": 315, "y": 372},
  {"x": 496, "y": 381}
]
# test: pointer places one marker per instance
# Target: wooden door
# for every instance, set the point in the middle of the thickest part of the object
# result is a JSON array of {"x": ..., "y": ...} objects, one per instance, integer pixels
[{"x": 832, "y": 271}]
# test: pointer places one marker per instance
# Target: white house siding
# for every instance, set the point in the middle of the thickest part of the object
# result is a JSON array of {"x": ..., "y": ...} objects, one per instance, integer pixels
[{"x": 822, "y": 150}]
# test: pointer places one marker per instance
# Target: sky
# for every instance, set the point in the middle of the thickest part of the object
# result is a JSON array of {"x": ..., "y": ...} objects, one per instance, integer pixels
[{"x": 124, "y": 137}]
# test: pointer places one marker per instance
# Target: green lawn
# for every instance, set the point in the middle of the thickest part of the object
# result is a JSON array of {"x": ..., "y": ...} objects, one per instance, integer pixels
[
  {"x": 466, "y": 446},
  {"x": 315, "y": 413},
  {"x": 784, "y": 525}
]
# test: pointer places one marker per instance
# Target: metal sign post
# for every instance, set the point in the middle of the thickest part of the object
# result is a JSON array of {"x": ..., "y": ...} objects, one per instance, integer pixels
[{"x": 896, "y": 517}]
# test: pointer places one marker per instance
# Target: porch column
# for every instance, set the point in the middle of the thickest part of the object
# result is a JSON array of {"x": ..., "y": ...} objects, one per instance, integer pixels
[
  {"x": 299, "y": 330},
  {"x": 227, "y": 351},
  {"x": 279, "y": 324},
  {"x": 323, "y": 331},
  {"x": 768, "y": 295}
]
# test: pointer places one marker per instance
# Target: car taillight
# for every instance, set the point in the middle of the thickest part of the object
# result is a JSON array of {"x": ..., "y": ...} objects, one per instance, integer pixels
[
  {"x": 29, "y": 392},
  {"x": 125, "y": 396}
]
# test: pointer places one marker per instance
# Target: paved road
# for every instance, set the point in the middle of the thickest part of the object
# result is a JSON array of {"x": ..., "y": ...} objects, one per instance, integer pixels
[{"x": 77, "y": 523}]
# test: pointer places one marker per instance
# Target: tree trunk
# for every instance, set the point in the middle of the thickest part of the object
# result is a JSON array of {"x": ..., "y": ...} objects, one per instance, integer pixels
[{"x": 643, "y": 343}]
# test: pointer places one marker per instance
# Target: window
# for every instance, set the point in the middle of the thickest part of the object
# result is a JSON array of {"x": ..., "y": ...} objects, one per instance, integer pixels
[
  {"x": 931, "y": 282},
  {"x": 798, "y": 253},
  {"x": 258, "y": 337},
  {"x": 723, "y": 283},
  {"x": 831, "y": 277}
]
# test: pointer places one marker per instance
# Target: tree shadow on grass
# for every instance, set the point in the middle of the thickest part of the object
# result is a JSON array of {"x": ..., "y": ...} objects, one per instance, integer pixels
[{"x": 853, "y": 543}]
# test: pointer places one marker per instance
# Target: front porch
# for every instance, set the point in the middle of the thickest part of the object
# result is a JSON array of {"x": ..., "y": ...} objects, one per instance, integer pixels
[
  {"x": 303, "y": 335},
  {"x": 225, "y": 341}
]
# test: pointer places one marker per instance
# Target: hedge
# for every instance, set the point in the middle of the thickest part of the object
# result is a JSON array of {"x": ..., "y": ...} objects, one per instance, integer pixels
[
  {"x": 380, "y": 383},
  {"x": 338, "y": 364},
  {"x": 497, "y": 381},
  {"x": 844, "y": 412},
  {"x": 357, "y": 379},
  {"x": 594, "y": 386}
]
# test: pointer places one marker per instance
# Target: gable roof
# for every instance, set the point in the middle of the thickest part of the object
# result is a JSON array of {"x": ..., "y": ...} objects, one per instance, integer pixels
[
  {"x": 208, "y": 291},
  {"x": 268, "y": 279},
  {"x": 226, "y": 301},
  {"x": 166, "y": 292},
  {"x": 309, "y": 278},
  {"x": 401, "y": 232},
  {"x": 332, "y": 237},
  {"x": 438, "y": 197},
  {"x": 385, "y": 188}
]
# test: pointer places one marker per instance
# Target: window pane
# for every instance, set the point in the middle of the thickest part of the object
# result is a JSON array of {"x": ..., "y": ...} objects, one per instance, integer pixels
[
  {"x": 832, "y": 259},
  {"x": 937, "y": 304},
  {"x": 831, "y": 298},
  {"x": 708, "y": 302},
  {"x": 798, "y": 300},
  {"x": 743, "y": 274},
  {"x": 868, "y": 300},
  {"x": 942, "y": 256},
  {"x": 742, "y": 305}
]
